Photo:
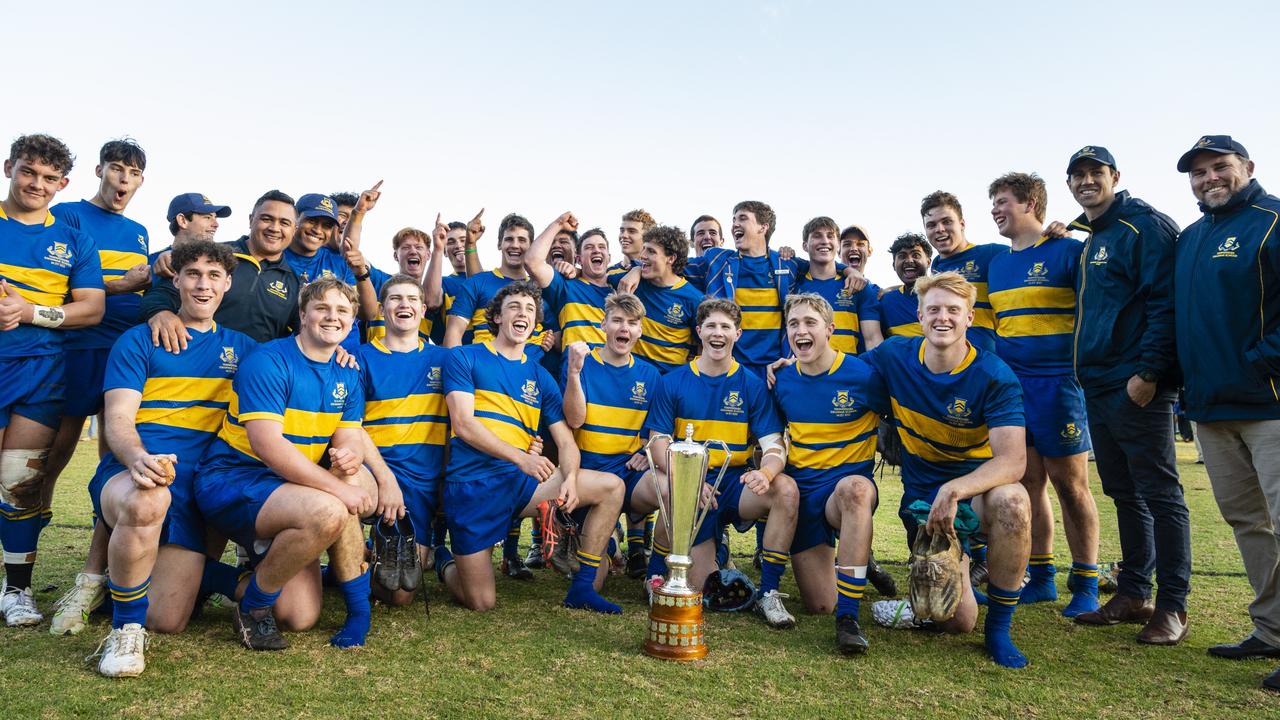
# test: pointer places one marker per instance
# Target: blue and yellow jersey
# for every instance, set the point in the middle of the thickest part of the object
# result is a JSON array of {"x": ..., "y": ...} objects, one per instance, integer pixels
[
  {"x": 974, "y": 263},
  {"x": 898, "y": 310},
  {"x": 475, "y": 296},
  {"x": 184, "y": 396},
  {"x": 667, "y": 329},
  {"x": 330, "y": 263},
  {"x": 756, "y": 292},
  {"x": 850, "y": 310},
  {"x": 122, "y": 243},
  {"x": 578, "y": 307},
  {"x": 943, "y": 419},
  {"x": 1033, "y": 293},
  {"x": 620, "y": 268},
  {"x": 513, "y": 398},
  {"x": 617, "y": 402},
  {"x": 829, "y": 420},
  {"x": 43, "y": 263},
  {"x": 734, "y": 408},
  {"x": 404, "y": 408},
  {"x": 310, "y": 399}
]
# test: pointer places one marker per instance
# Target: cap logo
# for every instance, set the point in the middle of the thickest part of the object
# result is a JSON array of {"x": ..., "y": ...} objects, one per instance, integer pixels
[
  {"x": 205, "y": 199},
  {"x": 1205, "y": 141},
  {"x": 1086, "y": 152},
  {"x": 326, "y": 204}
]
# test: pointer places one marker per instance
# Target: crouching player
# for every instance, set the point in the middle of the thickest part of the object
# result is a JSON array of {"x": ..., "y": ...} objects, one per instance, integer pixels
[
  {"x": 724, "y": 401},
  {"x": 262, "y": 486},
  {"x": 162, "y": 410},
  {"x": 497, "y": 397},
  {"x": 958, "y": 411},
  {"x": 406, "y": 417},
  {"x": 824, "y": 399}
]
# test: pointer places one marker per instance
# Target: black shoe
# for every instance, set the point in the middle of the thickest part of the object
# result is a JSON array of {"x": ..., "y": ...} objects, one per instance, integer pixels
[
  {"x": 1272, "y": 681},
  {"x": 515, "y": 568},
  {"x": 1250, "y": 647},
  {"x": 408, "y": 563},
  {"x": 637, "y": 562},
  {"x": 385, "y": 555},
  {"x": 881, "y": 580},
  {"x": 534, "y": 560},
  {"x": 258, "y": 633},
  {"x": 849, "y": 640}
]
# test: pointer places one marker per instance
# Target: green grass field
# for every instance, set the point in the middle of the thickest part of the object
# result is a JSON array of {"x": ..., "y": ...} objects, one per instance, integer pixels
[{"x": 530, "y": 658}]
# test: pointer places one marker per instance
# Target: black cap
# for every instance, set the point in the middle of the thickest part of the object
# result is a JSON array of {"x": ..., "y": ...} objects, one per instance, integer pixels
[
  {"x": 1096, "y": 153},
  {"x": 1211, "y": 143}
]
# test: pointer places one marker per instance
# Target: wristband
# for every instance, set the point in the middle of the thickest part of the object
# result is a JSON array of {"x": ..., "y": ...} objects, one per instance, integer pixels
[
  {"x": 362, "y": 278},
  {"x": 769, "y": 474},
  {"x": 470, "y": 250},
  {"x": 47, "y": 317}
]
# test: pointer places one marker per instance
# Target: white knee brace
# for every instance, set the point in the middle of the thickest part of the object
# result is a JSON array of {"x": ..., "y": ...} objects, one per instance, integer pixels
[{"x": 22, "y": 475}]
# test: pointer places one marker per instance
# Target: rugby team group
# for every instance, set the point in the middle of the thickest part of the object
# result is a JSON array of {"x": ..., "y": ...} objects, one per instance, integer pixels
[{"x": 281, "y": 393}]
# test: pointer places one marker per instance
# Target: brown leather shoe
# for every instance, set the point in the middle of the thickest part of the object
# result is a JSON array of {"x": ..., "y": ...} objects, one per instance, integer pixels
[
  {"x": 1165, "y": 627},
  {"x": 1120, "y": 608}
]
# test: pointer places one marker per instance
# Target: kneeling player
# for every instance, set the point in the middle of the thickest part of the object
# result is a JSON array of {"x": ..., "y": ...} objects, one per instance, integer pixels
[
  {"x": 824, "y": 399},
  {"x": 497, "y": 397},
  {"x": 162, "y": 411},
  {"x": 958, "y": 411},
  {"x": 724, "y": 401},
  {"x": 261, "y": 484}
]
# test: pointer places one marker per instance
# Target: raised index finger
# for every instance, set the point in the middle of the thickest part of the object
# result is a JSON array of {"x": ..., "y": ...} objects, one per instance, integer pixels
[
  {"x": 376, "y": 186},
  {"x": 477, "y": 217}
]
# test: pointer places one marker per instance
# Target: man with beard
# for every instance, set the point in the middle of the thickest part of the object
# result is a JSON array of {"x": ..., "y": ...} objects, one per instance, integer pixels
[
  {"x": 856, "y": 318},
  {"x": 899, "y": 305},
  {"x": 944, "y": 228},
  {"x": 1228, "y": 334},
  {"x": 705, "y": 233}
]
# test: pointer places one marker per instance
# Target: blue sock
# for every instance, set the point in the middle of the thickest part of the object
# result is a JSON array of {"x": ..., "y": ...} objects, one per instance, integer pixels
[
  {"x": 19, "y": 535},
  {"x": 1041, "y": 588},
  {"x": 582, "y": 594},
  {"x": 353, "y": 631},
  {"x": 1084, "y": 590},
  {"x": 977, "y": 550},
  {"x": 635, "y": 540},
  {"x": 613, "y": 546},
  {"x": 129, "y": 604},
  {"x": 772, "y": 565},
  {"x": 722, "y": 549},
  {"x": 511, "y": 546},
  {"x": 1000, "y": 607},
  {"x": 535, "y": 535},
  {"x": 444, "y": 558},
  {"x": 849, "y": 591},
  {"x": 219, "y": 578},
  {"x": 255, "y": 597},
  {"x": 650, "y": 521},
  {"x": 658, "y": 559},
  {"x": 46, "y": 517}
]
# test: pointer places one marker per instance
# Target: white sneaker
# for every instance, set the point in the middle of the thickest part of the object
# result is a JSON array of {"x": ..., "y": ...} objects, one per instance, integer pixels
[
  {"x": 770, "y": 607},
  {"x": 121, "y": 652},
  {"x": 19, "y": 608},
  {"x": 893, "y": 613},
  {"x": 73, "y": 608}
]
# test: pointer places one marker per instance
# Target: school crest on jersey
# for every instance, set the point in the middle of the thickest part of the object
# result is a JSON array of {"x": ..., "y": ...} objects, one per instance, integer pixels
[
  {"x": 277, "y": 288},
  {"x": 339, "y": 394},
  {"x": 842, "y": 405},
  {"x": 228, "y": 359},
  {"x": 1038, "y": 274},
  {"x": 732, "y": 404},
  {"x": 958, "y": 411},
  {"x": 1100, "y": 257},
  {"x": 639, "y": 395},
  {"x": 1072, "y": 433},
  {"x": 1227, "y": 248},
  {"x": 434, "y": 378},
  {"x": 675, "y": 314},
  {"x": 529, "y": 393},
  {"x": 844, "y": 298},
  {"x": 59, "y": 255},
  {"x": 142, "y": 243}
]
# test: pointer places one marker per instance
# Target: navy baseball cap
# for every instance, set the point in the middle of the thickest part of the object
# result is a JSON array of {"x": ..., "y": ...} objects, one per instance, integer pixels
[
  {"x": 195, "y": 203},
  {"x": 317, "y": 205},
  {"x": 1096, "y": 153},
  {"x": 1211, "y": 143}
]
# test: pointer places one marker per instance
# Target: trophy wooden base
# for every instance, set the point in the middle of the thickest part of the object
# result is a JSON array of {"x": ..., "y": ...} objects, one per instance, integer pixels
[{"x": 675, "y": 627}]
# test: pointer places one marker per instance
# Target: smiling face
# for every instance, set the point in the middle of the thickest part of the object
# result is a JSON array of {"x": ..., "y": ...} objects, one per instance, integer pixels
[
  {"x": 327, "y": 319},
  {"x": 412, "y": 255},
  {"x": 748, "y": 233},
  {"x": 119, "y": 183},
  {"x": 944, "y": 230},
  {"x": 621, "y": 331},
  {"x": 945, "y": 317},
  {"x": 201, "y": 285},
  {"x": 910, "y": 263},
  {"x": 1092, "y": 184},
  {"x": 1013, "y": 217},
  {"x": 33, "y": 183},
  {"x": 655, "y": 263},
  {"x": 403, "y": 308},
  {"x": 455, "y": 249},
  {"x": 512, "y": 246},
  {"x": 854, "y": 251},
  {"x": 271, "y": 227},
  {"x": 630, "y": 237},
  {"x": 561, "y": 248},
  {"x": 201, "y": 226},
  {"x": 595, "y": 257},
  {"x": 808, "y": 333},
  {"x": 517, "y": 318},
  {"x": 1216, "y": 177},
  {"x": 718, "y": 335},
  {"x": 314, "y": 233},
  {"x": 706, "y": 234},
  {"x": 821, "y": 245}
]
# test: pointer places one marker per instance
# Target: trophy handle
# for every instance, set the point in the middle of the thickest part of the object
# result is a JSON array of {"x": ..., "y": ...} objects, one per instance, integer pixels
[
  {"x": 715, "y": 487},
  {"x": 657, "y": 486}
]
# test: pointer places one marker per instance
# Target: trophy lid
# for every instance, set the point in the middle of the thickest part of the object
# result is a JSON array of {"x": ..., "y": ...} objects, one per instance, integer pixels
[{"x": 688, "y": 445}]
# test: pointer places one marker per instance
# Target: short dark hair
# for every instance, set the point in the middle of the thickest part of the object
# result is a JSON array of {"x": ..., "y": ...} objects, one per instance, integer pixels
[
  {"x": 273, "y": 196},
  {"x": 704, "y": 218},
  {"x": 943, "y": 199},
  {"x": 519, "y": 287},
  {"x": 593, "y": 232},
  {"x": 819, "y": 223},
  {"x": 514, "y": 221},
  {"x": 719, "y": 304},
  {"x": 673, "y": 242},
  {"x": 397, "y": 279},
  {"x": 456, "y": 225},
  {"x": 764, "y": 215},
  {"x": 43, "y": 148},
  {"x": 348, "y": 199},
  {"x": 187, "y": 253},
  {"x": 908, "y": 240},
  {"x": 1026, "y": 187},
  {"x": 125, "y": 151},
  {"x": 573, "y": 237},
  {"x": 173, "y": 224}
]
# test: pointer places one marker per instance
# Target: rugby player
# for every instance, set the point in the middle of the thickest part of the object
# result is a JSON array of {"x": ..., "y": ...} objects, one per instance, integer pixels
[
  {"x": 855, "y": 248},
  {"x": 945, "y": 230},
  {"x": 670, "y": 302},
  {"x": 50, "y": 282},
  {"x": 162, "y": 411},
  {"x": 631, "y": 232},
  {"x": 577, "y": 303},
  {"x": 856, "y": 316},
  {"x": 261, "y": 483},
  {"x": 705, "y": 233},
  {"x": 958, "y": 412},
  {"x": 824, "y": 398},
  {"x": 725, "y": 402},
  {"x": 898, "y": 306},
  {"x": 1032, "y": 289},
  {"x": 498, "y": 397}
]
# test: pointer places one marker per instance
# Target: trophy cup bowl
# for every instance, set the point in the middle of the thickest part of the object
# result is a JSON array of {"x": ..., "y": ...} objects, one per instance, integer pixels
[{"x": 675, "y": 614}]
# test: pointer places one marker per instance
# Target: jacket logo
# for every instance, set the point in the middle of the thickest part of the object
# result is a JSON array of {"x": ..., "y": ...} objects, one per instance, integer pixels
[
  {"x": 277, "y": 288},
  {"x": 958, "y": 411},
  {"x": 529, "y": 393},
  {"x": 59, "y": 254},
  {"x": 1227, "y": 248},
  {"x": 638, "y": 393},
  {"x": 229, "y": 360},
  {"x": 1072, "y": 433},
  {"x": 732, "y": 403},
  {"x": 1100, "y": 257}
]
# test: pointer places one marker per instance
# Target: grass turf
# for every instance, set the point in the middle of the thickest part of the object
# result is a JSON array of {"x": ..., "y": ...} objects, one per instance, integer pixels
[{"x": 532, "y": 658}]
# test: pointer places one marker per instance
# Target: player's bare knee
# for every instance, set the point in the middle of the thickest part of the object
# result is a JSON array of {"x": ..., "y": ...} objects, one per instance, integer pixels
[
  {"x": 1011, "y": 508},
  {"x": 296, "y": 619},
  {"x": 327, "y": 517},
  {"x": 480, "y": 602},
  {"x": 785, "y": 495},
  {"x": 145, "y": 508},
  {"x": 858, "y": 491}
]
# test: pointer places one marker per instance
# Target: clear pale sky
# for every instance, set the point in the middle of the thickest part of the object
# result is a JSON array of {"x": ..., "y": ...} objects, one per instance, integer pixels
[{"x": 853, "y": 110}]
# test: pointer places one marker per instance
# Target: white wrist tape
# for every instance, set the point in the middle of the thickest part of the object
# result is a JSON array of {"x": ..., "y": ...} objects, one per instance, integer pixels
[{"x": 46, "y": 316}]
